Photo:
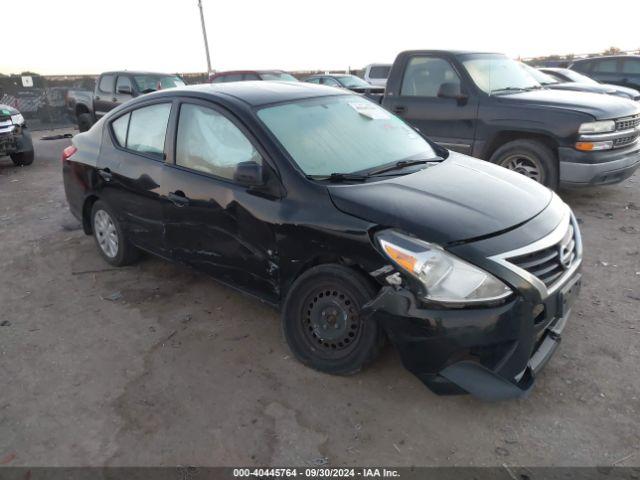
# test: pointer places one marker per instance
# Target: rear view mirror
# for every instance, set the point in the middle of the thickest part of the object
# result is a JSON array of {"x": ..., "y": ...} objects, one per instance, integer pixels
[
  {"x": 451, "y": 90},
  {"x": 124, "y": 90},
  {"x": 248, "y": 173}
]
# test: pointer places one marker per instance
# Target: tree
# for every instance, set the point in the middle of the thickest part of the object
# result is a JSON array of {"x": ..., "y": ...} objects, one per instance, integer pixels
[{"x": 612, "y": 51}]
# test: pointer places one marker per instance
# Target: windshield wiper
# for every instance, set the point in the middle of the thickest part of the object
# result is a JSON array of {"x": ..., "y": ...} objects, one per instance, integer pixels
[
  {"x": 508, "y": 89},
  {"x": 340, "y": 177},
  {"x": 399, "y": 165}
]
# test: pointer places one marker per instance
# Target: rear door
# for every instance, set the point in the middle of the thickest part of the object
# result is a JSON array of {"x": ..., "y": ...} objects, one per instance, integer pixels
[
  {"x": 448, "y": 121},
  {"x": 212, "y": 221},
  {"x": 104, "y": 97},
  {"x": 130, "y": 166}
]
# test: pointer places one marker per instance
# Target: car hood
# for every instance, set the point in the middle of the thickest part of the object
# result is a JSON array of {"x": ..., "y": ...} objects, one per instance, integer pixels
[
  {"x": 601, "y": 107},
  {"x": 582, "y": 87},
  {"x": 458, "y": 199},
  {"x": 7, "y": 110}
]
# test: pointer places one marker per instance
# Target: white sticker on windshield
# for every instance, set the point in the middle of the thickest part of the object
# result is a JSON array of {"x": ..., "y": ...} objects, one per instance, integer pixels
[{"x": 370, "y": 110}]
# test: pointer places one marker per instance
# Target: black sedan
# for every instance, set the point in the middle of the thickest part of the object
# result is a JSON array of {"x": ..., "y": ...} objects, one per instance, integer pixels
[
  {"x": 358, "y": 228},
  {"x": 565, "y": 79}
]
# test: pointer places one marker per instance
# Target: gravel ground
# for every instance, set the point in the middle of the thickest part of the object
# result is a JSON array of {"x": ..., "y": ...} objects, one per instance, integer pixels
[{"x": 155, "y": 364}]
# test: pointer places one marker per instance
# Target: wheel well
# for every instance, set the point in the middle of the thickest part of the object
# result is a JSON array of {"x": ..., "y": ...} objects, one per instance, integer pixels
[
  {"x": 80, "y": 109},
  {"x": 507, "y": 136},
  {"x": 86, "y": 214},
  {"x": 324, "y": 259}
]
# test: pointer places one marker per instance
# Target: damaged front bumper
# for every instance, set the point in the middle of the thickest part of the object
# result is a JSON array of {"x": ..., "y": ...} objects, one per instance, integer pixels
[
  {"x": 494, "y": 353},
  {"x": 14, "y": 139}
]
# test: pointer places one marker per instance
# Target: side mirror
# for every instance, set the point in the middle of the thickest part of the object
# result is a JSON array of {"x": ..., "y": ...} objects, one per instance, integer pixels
[
  {"x": 249, "y": 173},
  {"x": 125, "y": 90},
  {"x": 452, "y": 90}
]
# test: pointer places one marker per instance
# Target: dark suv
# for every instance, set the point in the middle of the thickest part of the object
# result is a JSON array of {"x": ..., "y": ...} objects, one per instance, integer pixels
[{"x": 621, "y": 70}]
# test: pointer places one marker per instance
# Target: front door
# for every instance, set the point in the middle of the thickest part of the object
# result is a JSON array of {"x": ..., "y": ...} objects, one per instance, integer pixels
[
  {"x": 212, "y": 221},
  {"x": 450, "y": 122}
]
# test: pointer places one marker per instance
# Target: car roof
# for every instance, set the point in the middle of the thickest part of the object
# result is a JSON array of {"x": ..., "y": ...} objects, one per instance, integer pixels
[
  {"x": 138, "y": 72},
  {"x": 604, "y": 57},
  {"x": 448, "y": 52},
  {"x": 235, "y": 72},
  {"x": 255, "y": 93}
]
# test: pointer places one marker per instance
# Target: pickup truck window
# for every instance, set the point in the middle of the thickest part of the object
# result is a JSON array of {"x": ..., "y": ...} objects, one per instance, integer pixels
[
  {"x": 106, "y": 83},
  {"x": 343, "y": 133},
  {"x": 379, "y": 72},
  {"x": 495, "y": 74},
  {"x": 123, "y": 81},
  {"x": 424, "y": 76},
  {"x": 149, "y": 83}
]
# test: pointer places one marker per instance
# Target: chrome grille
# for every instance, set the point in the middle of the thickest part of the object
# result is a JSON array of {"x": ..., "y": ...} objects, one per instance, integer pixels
[
  {"x": 550, "y": 263},
  {"x": 624, "y": 141},
  {"x": 628, "y": 123}
]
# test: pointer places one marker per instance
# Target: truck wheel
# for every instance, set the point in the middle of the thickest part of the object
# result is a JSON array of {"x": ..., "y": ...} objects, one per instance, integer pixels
[
  {"x": 322, "y": 324},
  {"x": 109, "y": 235},
  {"x": 530, "y": 158},
  {"x": 22, "y": 159},
  {"x": 84, "y": 122}
]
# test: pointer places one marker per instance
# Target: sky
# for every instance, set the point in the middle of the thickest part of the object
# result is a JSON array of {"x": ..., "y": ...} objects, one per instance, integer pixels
[{"x": 90, "y": 36}]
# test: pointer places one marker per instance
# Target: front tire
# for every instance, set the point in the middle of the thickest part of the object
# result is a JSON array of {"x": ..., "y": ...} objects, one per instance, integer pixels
[
  {"x": 322, "y": 324},
  {"x": 531, "y": 158},
  {"x": 109, "y": 236},
  {"x": 22, "y": 159}
]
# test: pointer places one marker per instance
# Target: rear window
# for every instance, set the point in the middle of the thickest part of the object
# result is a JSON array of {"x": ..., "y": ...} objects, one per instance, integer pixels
[
  {"x": 120, "y": 127},
  {"x": 106, "y": 83},
  {"x": 379, "y": 71}
]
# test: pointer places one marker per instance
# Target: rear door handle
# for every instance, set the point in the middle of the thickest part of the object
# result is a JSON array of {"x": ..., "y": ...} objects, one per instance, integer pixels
[
  {"x": 106, "y": 174},
  {"x": 178, "y": 198},
  {"x": 399, "y": 109}
]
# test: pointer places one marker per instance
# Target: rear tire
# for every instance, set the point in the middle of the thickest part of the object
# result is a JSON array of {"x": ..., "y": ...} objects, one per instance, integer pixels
[
  {"x": 23, "y": 159},
  {"x": 321, "y": 321},
  {"x": 109, "y": 236},
  {"x": 531, "y": 158},
  {"x": 84, "y": 122}
]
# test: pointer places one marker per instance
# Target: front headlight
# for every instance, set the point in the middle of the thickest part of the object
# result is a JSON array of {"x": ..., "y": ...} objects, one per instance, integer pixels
[
  {"x": 444, "y": 277},
  {"x": 603, "y": 126},
  {"x": 17, "y": 119}
]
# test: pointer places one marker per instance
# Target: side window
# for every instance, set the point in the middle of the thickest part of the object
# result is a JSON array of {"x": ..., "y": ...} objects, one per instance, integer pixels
[
  {"x": 329, "y": 82},
  {"x": 424, "y": 76},
  {"x": 631, "y": 65},
  {"x": 209, "y": 142},
  {"x": 313, "y": 80},
  {"x": 606, "y": 66},
  {"x": 123, "y": 82},
  {"x": 250, "y": 76},
  {"x": 233, "y": 77},
  {"x": 120, "y": 127},
  {"x": 219, "y": 79},
  {"x": 583, "y": 67},
  {"x": 147, "y": 129},
  {"x": 106, "y": 83}
]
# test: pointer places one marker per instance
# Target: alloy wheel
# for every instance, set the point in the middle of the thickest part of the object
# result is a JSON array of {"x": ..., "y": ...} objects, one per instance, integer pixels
[{"x": 106, "y": 233}]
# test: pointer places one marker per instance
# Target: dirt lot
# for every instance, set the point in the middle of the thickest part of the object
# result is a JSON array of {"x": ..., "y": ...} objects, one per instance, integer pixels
[{"x": 155, "y": 364}]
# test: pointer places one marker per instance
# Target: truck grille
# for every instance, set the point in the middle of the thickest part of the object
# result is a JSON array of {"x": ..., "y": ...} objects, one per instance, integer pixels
[
  {"x": 550, "y": 263},
  {"x": 628, "y": 123}
]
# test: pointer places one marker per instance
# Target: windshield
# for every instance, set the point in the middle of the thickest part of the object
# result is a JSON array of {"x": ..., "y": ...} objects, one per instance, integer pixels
[
  {"x": 498, "y": 74},
  {"x": 157, "y": 82},
  {"x": 379, "y": 71},
  {"x": 343, "y": 133},
  {"x": 578, "y": 77},
  {"x": 351, "y": 81},
  {"x": 541, "y": 77},
  {"x": 282, "y": 76}
]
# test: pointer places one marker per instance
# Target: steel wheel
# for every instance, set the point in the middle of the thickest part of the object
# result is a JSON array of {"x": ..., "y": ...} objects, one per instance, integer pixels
[
  {"x": 330, "y": 322},
  {"x": 106, "y": 233},
  {"x": 525, "y": 165}
]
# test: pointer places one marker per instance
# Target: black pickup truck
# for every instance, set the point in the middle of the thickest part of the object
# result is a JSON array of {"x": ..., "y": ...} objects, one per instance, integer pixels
[
  {"x": 486, "y": 105},
  {"x": 112, "y": 89}
]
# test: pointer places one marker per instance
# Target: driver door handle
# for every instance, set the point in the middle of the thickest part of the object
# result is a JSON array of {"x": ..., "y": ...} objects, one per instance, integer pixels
[
  {"x": 178, "y": 198},
  {"x": 105, "y": 173},
  {"x": 399, "y": 109}
]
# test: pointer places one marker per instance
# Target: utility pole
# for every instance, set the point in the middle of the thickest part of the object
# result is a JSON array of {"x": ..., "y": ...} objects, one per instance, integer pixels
[{"x": 204, "y": 34}]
